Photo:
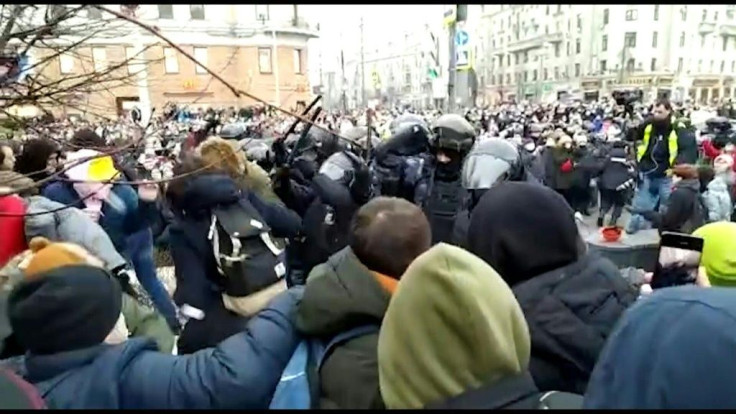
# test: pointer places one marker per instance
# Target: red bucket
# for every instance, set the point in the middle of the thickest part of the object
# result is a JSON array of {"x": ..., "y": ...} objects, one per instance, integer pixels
[{"x": 611, "y": 234}]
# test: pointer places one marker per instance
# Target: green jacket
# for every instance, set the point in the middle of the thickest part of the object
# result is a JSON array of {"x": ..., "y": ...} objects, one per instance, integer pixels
[{"x": 144, "y": 321}]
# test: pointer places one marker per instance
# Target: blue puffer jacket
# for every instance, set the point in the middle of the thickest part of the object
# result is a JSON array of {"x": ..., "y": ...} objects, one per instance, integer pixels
[
  {"x": 240, "y": 373},
  {"x": 123, "y": 215}
]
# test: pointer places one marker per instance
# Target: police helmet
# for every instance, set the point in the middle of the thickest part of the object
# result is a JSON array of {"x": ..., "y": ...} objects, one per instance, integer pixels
[
  {"x": 489, "y": 162},
  {"x": 408, "y": 140},
  {"x": 406, "y": 120},
  {"x": 341, "y": 167},
  {"x": 453, "y": 132},
  {"x": 232, "y": 131}
]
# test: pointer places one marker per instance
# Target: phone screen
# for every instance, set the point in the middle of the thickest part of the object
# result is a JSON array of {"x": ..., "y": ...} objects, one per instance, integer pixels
[{"x": 678, "y": 261}]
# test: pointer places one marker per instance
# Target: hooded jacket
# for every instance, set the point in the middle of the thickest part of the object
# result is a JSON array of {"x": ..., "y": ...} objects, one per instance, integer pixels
[
  {"x": 718, "y": 200},
  {"x": 195, "y": 268},
  {"x": 240, "y": 373},
  {"x": 571, "y": 300},
  {"x": 672, "y": 350},
  {"x": 453, "y": 325},
  {"x": 340, "y": 295}
]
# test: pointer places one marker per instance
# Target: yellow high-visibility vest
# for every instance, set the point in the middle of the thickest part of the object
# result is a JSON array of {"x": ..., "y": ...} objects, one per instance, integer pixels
[{"x": 671, "y": 144}]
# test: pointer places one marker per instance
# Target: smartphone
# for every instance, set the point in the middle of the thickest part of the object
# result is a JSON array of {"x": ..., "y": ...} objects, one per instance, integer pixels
[{"x": 678, "y": 260}]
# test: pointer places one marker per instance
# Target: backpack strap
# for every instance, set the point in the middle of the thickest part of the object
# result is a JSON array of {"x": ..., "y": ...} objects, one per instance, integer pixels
[{"x": 343, "y": 337}]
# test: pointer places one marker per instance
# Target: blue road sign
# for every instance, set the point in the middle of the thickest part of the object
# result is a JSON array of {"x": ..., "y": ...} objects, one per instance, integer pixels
[{"x": 461, "y": 38}]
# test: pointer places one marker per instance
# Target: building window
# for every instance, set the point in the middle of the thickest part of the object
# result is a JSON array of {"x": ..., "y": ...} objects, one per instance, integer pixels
[
  {"x": 516, "y": 58},
  {"x": 264, "y": 60},
  {"x": 725, "y": 43},
  {"x": 508, "y": 60},
  {"x": 526, "y": 57},
  {"x": 630, "y": 39},
  {"x": 262, "y": 12},
  {"x": 133, "y": 58},
  {"x": 723, "y": 66},
  {"x": 679, "y": 65},
  {"x": 603, "y": 66},
  {"x": 605, "y": 17},
  {"x": 66, "y": 63},
  {"x": 579, "y": 22},
  {"x": 547, "y": 10},
  {"x": 733, "y": 66},
  {"x": 630, "y": 64},
  {"x": 200, "y": 53},
  {"x": 702, "y": 40},
  {"x": 508, "y": 78},
  {"x": 577, "y": 70},
  {"x": 196, "y": 11},
  {"x": 683, "y": 13},
  {"x": 653, "y": 67},
  {"x": 577, "y": 46},
  {"x": 94, "y": 13},
  {"x": 604, "y": 45},
  {"x": 656, "y": 12},
  {"x": 99, "y": 58},
  {"x": 654, "y": 39},
  {"x": 715, "y": 16},
  {"x": 534, "y": 75},
  {"x": 632, "y": 15},
  {"x": 704, "y": 17},
  {"x": 545, "y": 74},
  {"x": 171, "y": 60},
  {"x": 700, "y": 65},
  {"x": 298, "y": 61},
  {"x": 568, "y": 48},
  {"x": 557, "y": 73},
  {"x": 557, "y": 50},
  {"x": 682, "y": 39},
  {"x": 165, "y": 11}
]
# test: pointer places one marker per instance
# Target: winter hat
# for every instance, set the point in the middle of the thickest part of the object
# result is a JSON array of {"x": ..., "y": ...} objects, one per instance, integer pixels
[
  {"x": 719, "y": 252},
  {"x": 516, "y": 237},
  {"x": 452, "y": 325},
  {"x": 564, "y": 139},
  {"x": 64, "y": 309},
  {"x": 87, "y": 138},
  {"x": 47, "y": 256}
]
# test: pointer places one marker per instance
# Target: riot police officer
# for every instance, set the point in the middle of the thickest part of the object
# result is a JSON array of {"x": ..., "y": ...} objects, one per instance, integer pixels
[
  {"x": 488, "y": 163},
  {"x": 452, "y": 139}
]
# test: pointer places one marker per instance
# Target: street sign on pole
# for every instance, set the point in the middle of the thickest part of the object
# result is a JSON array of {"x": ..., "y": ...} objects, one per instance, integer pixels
[
  {"x": 461, "y": 38},
  {"x": 463, "y": 59}
]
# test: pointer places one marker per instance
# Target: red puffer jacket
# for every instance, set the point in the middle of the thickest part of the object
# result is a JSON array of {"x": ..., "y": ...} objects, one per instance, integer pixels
[{"x": 13, "y": 240}]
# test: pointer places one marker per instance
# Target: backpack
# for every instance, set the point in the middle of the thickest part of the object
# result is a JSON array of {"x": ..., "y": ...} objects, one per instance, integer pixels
[
  {"x": 299, "y": 386},
  {"x": 244, "y": 252},
  {"x": 18, "y": 394}
]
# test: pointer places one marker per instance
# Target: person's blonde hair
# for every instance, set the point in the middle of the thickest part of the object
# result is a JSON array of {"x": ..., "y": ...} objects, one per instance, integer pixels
[{"x": 220, "y": 154}]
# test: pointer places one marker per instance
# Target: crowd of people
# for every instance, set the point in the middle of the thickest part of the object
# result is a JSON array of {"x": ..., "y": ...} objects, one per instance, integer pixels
[{"x": 380, "y": 259}]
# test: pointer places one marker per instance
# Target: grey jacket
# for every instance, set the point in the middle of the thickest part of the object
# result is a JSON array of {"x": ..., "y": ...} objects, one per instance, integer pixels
[
  {"x": 718, "y": 200},
  {"x": 70, "y": 225}
]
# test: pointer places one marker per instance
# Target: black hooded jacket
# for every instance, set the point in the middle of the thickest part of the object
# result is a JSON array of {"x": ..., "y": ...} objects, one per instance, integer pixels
[{"x": 571, "y": 299}]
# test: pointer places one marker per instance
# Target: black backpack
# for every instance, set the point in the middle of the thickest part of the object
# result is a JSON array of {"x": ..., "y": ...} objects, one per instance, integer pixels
[{"x": 244, "y": 251}]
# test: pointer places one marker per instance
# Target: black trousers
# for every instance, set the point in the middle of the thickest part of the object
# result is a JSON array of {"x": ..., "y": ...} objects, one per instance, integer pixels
[{"x": 612, "y": 199}]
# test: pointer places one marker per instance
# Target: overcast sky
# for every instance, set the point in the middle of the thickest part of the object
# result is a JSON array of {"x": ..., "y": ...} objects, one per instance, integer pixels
[{"x": 340, "y": 27}]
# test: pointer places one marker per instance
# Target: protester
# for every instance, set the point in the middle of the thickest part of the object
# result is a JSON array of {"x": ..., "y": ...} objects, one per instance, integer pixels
[
  {"x": 352, "y": 290},
  {"x": 685, "y": 210},
  {"x": 38, "y": 159},
  {"x": 7, "y": 156},
  {"x": 527, "y": 233},
  {"x": 199, "y": 283},
  {"x": 715, "y": 191},
  {"x": 616, "y": 179},
  {"x": 656, "y": 153},
  {"x": 671, "y": 350},
  {"x": 64, "y": 316},
  {"x": 449, "y": 305}
]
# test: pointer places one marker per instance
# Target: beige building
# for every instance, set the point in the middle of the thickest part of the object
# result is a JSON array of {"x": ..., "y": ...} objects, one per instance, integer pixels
[{"x": 259, "y": 49}]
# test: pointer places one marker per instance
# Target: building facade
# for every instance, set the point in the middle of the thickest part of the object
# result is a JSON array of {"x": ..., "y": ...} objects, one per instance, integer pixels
[
  {"x": 548, "y": 52},
  {"x": 261, "y": 49}
]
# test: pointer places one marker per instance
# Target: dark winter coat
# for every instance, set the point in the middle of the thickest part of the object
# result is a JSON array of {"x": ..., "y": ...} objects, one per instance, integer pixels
[
  {"x": 617, "y": 171},
  {"x": 191, "y": 250},
  {"x": 684, "y": 211},
  {"x": 562, "y": 180}
]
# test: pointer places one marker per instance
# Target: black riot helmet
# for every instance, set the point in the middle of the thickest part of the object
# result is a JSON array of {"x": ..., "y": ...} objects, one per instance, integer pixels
[
  {"x": 341, "y": 167},
  {"x": 233, "y": 131},
  {"x": 408, "y": 140},
  {"x": 406, "y": 120},
  {"x": 489, "y": 162},
  {"x": 453, "y": 132}
]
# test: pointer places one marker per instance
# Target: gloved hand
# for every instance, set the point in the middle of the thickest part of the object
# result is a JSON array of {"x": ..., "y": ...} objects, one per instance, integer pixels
[
  {"x": 280, "y": 154},
  {"x": 361, "y": 187}
]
